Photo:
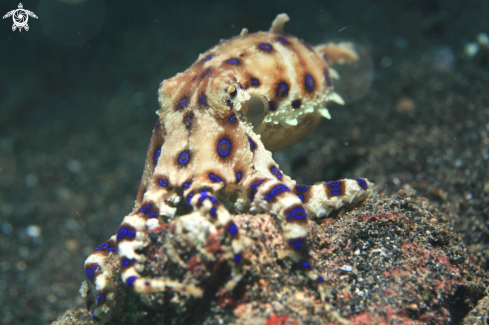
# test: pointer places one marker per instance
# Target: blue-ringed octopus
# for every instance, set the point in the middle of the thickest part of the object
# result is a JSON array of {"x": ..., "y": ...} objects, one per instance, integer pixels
[{"x": 206, "y": 162}]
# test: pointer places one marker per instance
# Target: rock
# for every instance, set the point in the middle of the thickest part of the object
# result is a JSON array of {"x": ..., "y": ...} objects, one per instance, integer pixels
[{"x": 384, "y": 261}]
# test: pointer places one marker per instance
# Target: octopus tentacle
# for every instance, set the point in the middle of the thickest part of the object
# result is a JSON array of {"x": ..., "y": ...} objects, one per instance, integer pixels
[
  {"x": 321, "y": 199},
  {"x": 99, "y": 289}
]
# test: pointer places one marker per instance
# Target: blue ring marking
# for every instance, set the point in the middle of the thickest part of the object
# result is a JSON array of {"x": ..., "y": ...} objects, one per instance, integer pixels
[
  {"x": 237, "y": 258},
  {"x": 206, "y": 72},
  {"x": 157, "y": 122},
  {"x": 224, "y": 152},
  {"x": 297, "y": 244},
  {"x": 255, "y": 81},
  {"x": 283, "y": 40},
  {"x": 301, "y": 197},
  {"x": 125, "y": 263},
  {"x": 203, "y": 98},
  {"x": 239, "y": 175},
  {"x": 233, "y": 61},
  {"x": 265, "y": 46},
  {"x": 130, "y": 280},
  {"x": 112, "y": 250},
  {"x": 276, "y": 190},
  {"x": 103, "y": 246},
  {"x": 326, "y": 76},
  {"x": 214, "y": 178},
  {"x": 145, "y": 208},
  {"x": 233, "y": 229},
  {"x": 327, "y": 300},
  {"x": 147, "y": 283},
  {"x": 310, "y": 82},
  {"x": 131, "y": 233},
  {"x": 230, "y": 103},
  {"x": 296, "y": 103},
  {"x": 279, "y": 189},
  {"x": 183, "y": 159},
  {"x": 298, "y": 213},
  {"x": 122, "y": 233},
  {"x": 183, "y": 101},
  {"x": 256, "y": 184},
  {"x": 95, "y": 268},
  {"x": 98, "y": 301},
  {"x": 271, "y": 106},
  {"x": 204, "y": 194},
  {"x": 157, "y": 155},
  {"x": 189, "y": 198},
  {"x": 252, "y": 144},
  {"x": 320, "y": 279},
  {"x": 89, "y": 274},
  {"x": 207, "y": 58},
  {"x": 363, "y": 183},
  {"x": 213, "y": 212},
  {"x": 275, "y": 171},
  {"x": 233, "y": 117},
  {"x": 335, "y": 191},
  {"x": 301, "y": 187},
  {"x": 163, "y": 183},
  {"x": 306, "y": 264},
  {"x": 282, "y": 89},
  {"x": 187, "y": 184},
  {"x": 153, "y": 215},
  {"x": 335, "y": 183}
]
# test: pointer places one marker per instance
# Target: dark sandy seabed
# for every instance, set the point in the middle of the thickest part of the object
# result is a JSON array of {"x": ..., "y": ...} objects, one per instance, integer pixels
[{"x": 76, "y": 119}]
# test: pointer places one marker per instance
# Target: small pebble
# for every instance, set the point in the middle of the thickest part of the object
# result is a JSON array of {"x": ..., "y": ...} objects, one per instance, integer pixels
[
  {"x": 346, "y": 268},
  {"x": 33, "y": 231}
]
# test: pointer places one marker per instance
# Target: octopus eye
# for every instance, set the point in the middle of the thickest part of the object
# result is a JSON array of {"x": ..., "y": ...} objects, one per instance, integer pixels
[{"x": 234, "y": 93}]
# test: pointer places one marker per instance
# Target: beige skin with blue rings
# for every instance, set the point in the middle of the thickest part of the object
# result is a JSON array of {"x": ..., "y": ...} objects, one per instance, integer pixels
[{"x": 204, "y": 150}]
